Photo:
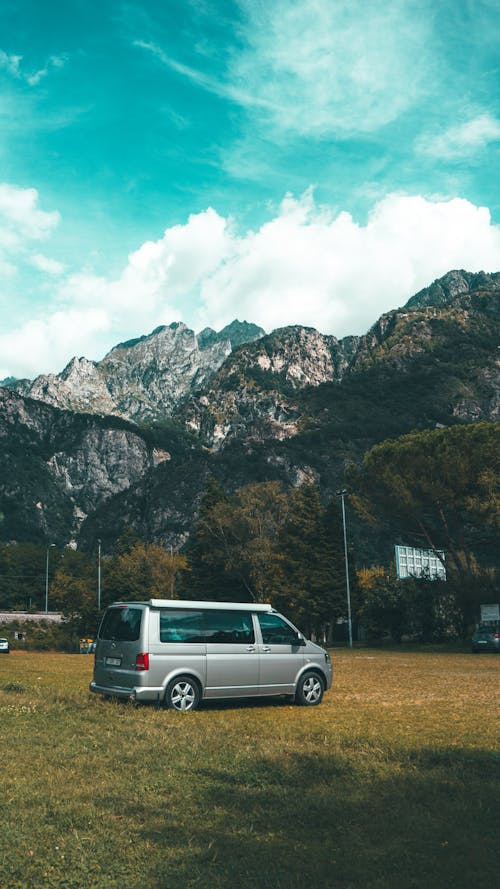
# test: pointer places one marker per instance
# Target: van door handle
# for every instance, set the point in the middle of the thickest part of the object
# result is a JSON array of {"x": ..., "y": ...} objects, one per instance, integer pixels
[
  {"x": 265, "y": 648},
  {"x": 250, "y": 648}
]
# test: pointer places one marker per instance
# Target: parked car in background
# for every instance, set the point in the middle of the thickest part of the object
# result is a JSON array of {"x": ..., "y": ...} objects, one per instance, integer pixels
[
  {"x": 4, "y": 646},
  {"x": 486, "y": 638}
]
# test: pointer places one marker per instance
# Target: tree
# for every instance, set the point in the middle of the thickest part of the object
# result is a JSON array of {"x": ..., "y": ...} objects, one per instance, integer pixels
[
  {"x": 22, "y": 575},
  {"x": 73, "y": 591},
  {"x": 421, "y": 609},
  {"x": 311, "y": 585},
  {"x": 146, "y": 571},
  {"x": 207, "y": 576},
  {"x": 233, "y": 547},
  {"x": 246, "y": 529}
]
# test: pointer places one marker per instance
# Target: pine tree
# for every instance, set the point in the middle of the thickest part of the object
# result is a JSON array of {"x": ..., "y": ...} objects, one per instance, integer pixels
[
  {"x": 311, "y": 587},
  {"x": 206, "y": 576}
]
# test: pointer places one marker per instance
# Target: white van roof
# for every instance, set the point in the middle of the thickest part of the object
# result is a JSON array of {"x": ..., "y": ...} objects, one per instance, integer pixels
[{"x": 219, "y": 606}]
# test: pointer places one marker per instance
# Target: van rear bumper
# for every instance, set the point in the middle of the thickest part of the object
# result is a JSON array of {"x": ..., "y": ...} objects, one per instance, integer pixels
[{"x": 129, "y": 694}]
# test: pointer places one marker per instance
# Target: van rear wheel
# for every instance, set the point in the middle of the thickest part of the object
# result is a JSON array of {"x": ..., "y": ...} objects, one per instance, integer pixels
[
  {"x": 310, "y": 690},
  {"x": 182, "y": 694}
]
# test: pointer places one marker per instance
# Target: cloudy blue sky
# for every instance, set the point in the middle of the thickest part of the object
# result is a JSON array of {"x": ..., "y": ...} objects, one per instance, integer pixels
[{"x": 280, "y": 161}]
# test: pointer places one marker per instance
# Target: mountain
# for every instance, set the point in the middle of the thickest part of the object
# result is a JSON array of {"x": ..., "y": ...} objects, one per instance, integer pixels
[
  {"x": 238, "y": 332},
  {"x": 430, "y": 363},
  {"x": 142, "y": 379},
  {"x": 254, "y": 393},
  {"x": 292, "y": 405},
  {"x": 455, "y": 284}
]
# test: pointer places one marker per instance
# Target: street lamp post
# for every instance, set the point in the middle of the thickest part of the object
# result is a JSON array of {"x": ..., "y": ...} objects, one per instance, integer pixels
[
  {"x": 342, "y": 494},
  {"x": 99, "y": 574},
  {"x": 47, "y": 578}
]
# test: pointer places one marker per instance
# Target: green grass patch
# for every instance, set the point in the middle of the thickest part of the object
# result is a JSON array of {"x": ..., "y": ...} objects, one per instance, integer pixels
[{"x": 391, "y": 783}]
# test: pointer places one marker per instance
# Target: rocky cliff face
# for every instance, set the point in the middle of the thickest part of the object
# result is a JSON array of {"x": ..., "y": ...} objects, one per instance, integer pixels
[
  {"x": 254, "y": 394},
  {"x": 143, "y": 379},
  {"x": 58, "y": 466},
  {"x": 455, "y": 284}
]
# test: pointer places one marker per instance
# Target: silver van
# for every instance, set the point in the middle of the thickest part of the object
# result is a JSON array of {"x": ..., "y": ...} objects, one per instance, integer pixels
[{"x": 177, "y": 653}]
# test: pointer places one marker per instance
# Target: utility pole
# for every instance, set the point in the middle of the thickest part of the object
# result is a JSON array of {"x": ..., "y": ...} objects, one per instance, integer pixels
[
  {"x": 47, "y": 578},
  {"x": 99, "y": 574},
  {"x": 342, "y": 494}
]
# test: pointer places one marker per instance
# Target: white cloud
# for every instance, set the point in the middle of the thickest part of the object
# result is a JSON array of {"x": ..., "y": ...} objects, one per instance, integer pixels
[
  {"x": 92, "y": 313},
  {"x": 45, "y": 345},
  {"x": 12, "y": 64},
  {"x": 21, "y": 223},
  {"x": 344, "y": 67},
  {"x": 201, "y": 79},
  {"x": 463, "y": 140},
  {"x": 46, "y": 264},
  {"x": 52, "y": 62},
  {"x": 319, "y": 67},
  {"x": 308, "y": 265},
  {"x": 20, "y": 214}
]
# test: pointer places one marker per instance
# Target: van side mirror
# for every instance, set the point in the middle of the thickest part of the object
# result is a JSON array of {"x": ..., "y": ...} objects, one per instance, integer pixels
[{"x": 300, "y": 639}]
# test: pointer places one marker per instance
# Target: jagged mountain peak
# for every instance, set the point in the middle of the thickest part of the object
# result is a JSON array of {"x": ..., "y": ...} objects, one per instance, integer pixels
[
  {"x": 453, "y": 285},
  {"x": 237, "y": 332},
  {"x": 165, "y": 332},
  {"x": 141, "y": 379}
]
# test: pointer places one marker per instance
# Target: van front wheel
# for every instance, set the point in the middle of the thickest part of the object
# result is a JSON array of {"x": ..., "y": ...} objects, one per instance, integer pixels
[
  {"x": 182, "y": 694},
  {"x": 309, "y": 690}
]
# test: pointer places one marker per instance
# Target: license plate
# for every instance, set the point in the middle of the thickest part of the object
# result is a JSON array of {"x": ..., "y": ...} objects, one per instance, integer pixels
[{"x": 113, "y": 661}]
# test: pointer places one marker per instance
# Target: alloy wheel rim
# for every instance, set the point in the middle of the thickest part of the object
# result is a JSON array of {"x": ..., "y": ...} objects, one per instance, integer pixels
[
  {"x": 183, "y": 696},
  {"x": 312, "y": 689}
]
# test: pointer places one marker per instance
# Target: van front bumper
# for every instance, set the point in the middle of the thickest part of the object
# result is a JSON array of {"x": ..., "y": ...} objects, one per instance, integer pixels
[{"x": 135, "y": 694}]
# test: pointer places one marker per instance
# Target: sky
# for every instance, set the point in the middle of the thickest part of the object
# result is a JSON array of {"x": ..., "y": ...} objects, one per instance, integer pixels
[{"x": 310, "y": 162}]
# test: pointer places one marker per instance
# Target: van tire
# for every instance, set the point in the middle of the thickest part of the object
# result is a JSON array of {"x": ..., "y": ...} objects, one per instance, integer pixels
[
  {"x": 310, "y": 688},
  {"x": 182, "y": 694}
]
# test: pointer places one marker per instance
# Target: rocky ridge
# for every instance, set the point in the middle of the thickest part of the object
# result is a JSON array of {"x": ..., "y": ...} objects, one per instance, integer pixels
[
  {"x": 254, "y": 392},
  {"x": 142, "y": 379},
  {"x": 262, "y": 390},
  {"x": 292, "y": 405}
]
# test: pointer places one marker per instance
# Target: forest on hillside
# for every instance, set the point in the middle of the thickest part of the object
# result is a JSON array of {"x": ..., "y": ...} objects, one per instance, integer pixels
[{"x": 437, "y": 490}]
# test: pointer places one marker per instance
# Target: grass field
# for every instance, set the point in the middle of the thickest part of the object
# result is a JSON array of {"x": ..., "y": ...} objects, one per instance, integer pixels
[{"x": 391, "y": 783}]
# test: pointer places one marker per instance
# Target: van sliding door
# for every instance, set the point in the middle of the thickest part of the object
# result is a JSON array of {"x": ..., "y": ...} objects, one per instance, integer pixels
[{"x": 232, "y": 656}]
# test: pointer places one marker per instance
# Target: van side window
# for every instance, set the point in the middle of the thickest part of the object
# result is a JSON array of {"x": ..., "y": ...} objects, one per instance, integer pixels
[
  {"x": 229, "y": 627},
  {"x": 276, "y": 631},
  {"x": 181, "y": 626},
  {"x": 121, "y": 624}
]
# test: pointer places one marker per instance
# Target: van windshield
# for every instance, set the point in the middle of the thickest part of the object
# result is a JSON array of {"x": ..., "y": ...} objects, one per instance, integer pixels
[{"x": 122, "y": 624}]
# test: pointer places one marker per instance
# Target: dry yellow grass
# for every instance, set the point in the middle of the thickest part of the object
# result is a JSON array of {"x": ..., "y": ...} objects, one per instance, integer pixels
[{"x": 391, "y": 783}]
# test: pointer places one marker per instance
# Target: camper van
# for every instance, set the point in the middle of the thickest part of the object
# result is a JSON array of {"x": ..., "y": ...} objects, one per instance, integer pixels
[{"x": 178, "y": 653}]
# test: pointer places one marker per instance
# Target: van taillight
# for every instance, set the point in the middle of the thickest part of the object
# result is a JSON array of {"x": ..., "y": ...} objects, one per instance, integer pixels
[{"x": 142, "y": 662}]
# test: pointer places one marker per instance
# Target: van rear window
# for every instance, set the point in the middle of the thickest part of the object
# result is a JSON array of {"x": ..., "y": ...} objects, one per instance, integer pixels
[
  {"x": 216, "y": 627},
  {"x": 122, "y": 624}
]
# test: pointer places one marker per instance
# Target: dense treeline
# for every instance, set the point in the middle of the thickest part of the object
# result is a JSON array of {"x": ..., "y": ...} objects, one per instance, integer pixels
[
  {"x": 439, "y": 490},
  {"x": 266, "y": 542}
]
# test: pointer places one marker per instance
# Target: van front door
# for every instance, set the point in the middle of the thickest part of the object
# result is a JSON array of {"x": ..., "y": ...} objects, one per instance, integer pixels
[
  {"x": 232, "y": 655},
  {"x": 280, "y": 655}
]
